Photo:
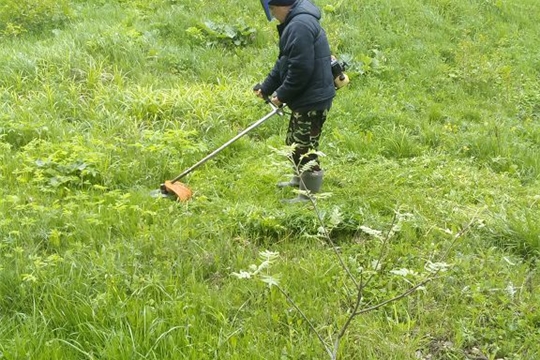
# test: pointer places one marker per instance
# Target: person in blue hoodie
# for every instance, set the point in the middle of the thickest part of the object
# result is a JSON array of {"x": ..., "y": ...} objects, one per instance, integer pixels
[{"x": 302, "y": 79}]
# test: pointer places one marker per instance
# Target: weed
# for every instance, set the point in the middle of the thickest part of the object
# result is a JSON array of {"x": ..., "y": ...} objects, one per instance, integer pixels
[{"x": 30, "y": 16}]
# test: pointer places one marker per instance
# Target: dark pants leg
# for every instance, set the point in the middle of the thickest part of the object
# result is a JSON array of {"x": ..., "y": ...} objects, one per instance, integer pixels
[{"x": 305, "y": 132}]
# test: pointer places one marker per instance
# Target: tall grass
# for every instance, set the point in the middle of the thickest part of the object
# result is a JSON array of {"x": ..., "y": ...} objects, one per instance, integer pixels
[{"x": 100, "y": 101}]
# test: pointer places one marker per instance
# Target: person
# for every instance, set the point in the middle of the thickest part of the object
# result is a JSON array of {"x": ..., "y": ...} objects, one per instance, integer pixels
[{"x": 301, "y": 78}]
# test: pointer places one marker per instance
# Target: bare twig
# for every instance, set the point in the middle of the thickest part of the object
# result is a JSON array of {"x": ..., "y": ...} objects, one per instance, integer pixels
[
  {"x": 326, "y": 235},
  {"x": 360, "y": 290},
  {"x": 359, "y": 296},
  {"x": 334, "y": 246},
  {"x": 384, "y": 244},
  {"x": 310, "y": 324},
  {"x": 360, "y": 285},
  {"x": 395, "y": 298}
]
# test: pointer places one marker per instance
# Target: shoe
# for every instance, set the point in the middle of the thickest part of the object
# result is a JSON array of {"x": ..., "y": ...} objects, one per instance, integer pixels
[
  {"x": 310, "y": 182},
  {"x": 294, "y": 182}
]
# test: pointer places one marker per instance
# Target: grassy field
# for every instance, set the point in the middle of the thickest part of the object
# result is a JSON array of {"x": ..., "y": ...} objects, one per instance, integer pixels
[{"x": 432, "y": 178}]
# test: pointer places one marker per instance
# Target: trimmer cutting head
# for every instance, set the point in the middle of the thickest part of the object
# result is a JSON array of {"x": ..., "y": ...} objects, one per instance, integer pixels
[{"x": 182, "y": 192}]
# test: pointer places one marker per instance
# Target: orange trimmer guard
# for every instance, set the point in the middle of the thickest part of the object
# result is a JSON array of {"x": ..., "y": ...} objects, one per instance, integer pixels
[{"x": 182, "y": 192}]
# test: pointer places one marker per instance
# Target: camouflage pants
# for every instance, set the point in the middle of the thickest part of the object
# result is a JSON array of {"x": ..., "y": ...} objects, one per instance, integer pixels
[{"x": 305, "y": 132}]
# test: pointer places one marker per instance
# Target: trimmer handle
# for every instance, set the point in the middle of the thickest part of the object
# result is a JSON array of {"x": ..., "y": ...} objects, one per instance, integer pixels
[{"x": 275, "y": 110}]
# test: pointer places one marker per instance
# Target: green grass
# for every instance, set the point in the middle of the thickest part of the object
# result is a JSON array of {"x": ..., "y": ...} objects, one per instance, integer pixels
[{"x": 100, "y": 101}]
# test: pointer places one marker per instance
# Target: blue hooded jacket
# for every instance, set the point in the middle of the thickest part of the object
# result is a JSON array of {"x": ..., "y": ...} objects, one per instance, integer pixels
[{"x": 302, "y": 75}]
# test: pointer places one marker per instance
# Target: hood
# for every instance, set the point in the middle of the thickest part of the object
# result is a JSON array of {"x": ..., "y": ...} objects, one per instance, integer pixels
[{"x": 303, "y": 7}]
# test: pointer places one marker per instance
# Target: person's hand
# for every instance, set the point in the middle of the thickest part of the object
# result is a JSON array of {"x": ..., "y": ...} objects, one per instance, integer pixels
[
  {"x": 276, "y": 101},
  {"x": 257, "y": 89}
]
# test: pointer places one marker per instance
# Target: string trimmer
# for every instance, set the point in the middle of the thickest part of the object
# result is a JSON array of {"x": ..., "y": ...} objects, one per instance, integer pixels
[{"x": 173, "y": 188}]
